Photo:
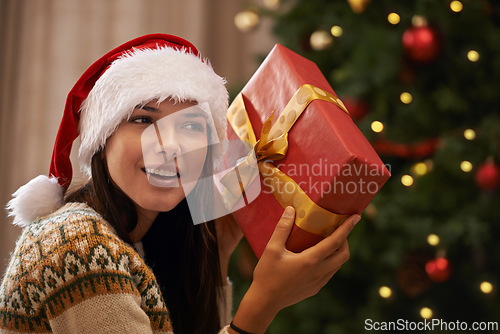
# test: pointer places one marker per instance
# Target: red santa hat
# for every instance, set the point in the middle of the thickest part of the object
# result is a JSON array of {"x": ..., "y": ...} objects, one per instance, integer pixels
[{"x": 151, "y": 67}]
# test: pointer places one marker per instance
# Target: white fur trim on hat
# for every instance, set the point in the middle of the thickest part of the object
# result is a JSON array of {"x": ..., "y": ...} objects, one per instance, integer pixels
[
  {"x": 139, "y": 77},
  {"x": 37, "y": 198}
]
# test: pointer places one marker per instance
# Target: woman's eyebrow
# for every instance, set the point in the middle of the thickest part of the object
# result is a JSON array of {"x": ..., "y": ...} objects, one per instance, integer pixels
[{"x": 147, "y": 108}]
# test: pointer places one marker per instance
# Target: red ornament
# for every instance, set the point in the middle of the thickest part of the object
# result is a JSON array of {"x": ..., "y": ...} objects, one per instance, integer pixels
[
  {"x": 439, "y": 269},
  {"x": 422, "y": 44},
  {"x": 357, "y": 108},
  {"x": 488, "y": 176}
]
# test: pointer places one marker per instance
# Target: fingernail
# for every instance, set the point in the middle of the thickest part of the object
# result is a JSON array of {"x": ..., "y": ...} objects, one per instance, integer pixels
[
  {"x": 288, "y": 212},
  {"x": 356, "y": 219}
]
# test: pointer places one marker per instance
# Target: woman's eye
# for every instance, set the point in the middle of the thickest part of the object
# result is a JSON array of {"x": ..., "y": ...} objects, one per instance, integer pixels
[
  {"x": 141, "y": 120},
  {"x": 194, "y": 126}
]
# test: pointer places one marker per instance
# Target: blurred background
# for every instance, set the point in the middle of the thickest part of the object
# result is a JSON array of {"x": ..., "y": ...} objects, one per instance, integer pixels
[{"x": 420, "y": 78}]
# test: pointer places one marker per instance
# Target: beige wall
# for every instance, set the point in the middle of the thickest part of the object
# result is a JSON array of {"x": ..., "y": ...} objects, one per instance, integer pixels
[{"x": 47, "y": 44}]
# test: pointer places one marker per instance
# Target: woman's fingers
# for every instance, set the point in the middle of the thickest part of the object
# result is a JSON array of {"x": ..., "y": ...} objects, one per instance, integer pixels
[
  {"x": 338, "y": 257},
  {"x": 283, "y": 228},
  {"x": 333, "y": 242}
]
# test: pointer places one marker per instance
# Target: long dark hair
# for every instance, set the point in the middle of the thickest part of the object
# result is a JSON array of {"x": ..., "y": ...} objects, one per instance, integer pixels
[{"x": 193, "y": 292}]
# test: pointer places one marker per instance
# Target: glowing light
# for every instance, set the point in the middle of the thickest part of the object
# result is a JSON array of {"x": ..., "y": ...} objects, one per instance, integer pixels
[
  {"x": 337, "y": 31},
  {"x": 466, "y": 166},
  {"x": 272, "y": 4},
  {"x": 430, "y": 164},
  {"x": 377, "y": 126},
  {"x": 320, "y": 40},
  {"x": 393, "y": 18},
  {"x": 486, "y": 287},
  {"x": 420, "y": 168},
  {"x": 385, "y": 292},
  {"x": 456, "y": 6},
  {"x": 426, "y": 313},
  {"x": 407, "y": 180},
  {"x": 246, "y": 20},
  {"x": 433, "y": 239},
  {"x": 371, "y": 211},
  {"x": 470, "y": 134},
  {"x": 418, "y": 21},
  {"x": 473, "y": 55},
  {"x": 406, "y": 98}
]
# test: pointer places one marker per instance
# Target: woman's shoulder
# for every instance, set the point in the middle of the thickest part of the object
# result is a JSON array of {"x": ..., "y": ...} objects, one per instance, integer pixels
[
  {"x": 70, "y": 221},
  {"x": 70, "y": 244},
  {"x": 68, "y": 257},
  {"x": 75, "y": 233}
]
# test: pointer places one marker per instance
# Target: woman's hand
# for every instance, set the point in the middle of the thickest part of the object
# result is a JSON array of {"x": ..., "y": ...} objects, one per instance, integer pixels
[
  {"x": 228, "y": 237},
  {"x": 283, "y": 278}
]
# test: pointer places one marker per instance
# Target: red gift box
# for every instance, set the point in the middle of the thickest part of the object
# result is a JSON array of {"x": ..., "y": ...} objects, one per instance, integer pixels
[{"x": 328, "y": 156}]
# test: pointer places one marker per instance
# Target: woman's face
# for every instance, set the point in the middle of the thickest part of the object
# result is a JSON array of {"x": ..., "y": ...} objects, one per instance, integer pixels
[{"x": 156, "y": 156}]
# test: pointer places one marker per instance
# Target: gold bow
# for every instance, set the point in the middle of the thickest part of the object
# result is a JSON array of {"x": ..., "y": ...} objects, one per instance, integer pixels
[{"x": 273, "y": 145}]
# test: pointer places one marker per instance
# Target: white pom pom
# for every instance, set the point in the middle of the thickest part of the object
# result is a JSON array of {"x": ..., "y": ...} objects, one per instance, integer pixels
[{"x": 37, "y": 198}]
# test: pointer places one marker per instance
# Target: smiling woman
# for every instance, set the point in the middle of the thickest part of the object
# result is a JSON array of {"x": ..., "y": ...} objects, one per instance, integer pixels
[{"x": 124, "y": 253}]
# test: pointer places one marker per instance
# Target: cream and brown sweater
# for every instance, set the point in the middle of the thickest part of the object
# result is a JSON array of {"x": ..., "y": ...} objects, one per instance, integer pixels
[{"x": 71, "y": 273}]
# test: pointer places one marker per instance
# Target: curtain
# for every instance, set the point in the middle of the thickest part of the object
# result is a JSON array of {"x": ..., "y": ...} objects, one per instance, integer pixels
[{"x": 47, "y": 44}]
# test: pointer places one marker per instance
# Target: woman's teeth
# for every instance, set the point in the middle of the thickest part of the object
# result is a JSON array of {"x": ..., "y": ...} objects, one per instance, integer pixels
[{"x": 163, "y": 173}]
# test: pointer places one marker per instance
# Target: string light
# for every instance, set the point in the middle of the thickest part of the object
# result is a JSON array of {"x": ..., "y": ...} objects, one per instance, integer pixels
[
  {"x": 385, "y": 292},
  {"x": 377, "y": 126},
  {"x": 246, "y": 20},
  {"x": 473, "y": 55},
  {"x": 466, "y": 166},
  {"x": 406, "y": 98},
  {"x": 486, "y": 287},
  {"x": 320, "y": 40},
  {"x": 456, "y": 6},
  {"x": 393, "y": 18},
  {"x": 337, "y": 31},
  {"x": 420, "y": 169},
  {"x": 426, "y": 313},
  {"x": 407, "y": 180},
  {"x": 433, "y": 239},
  {"x": 470, "y": 134}
]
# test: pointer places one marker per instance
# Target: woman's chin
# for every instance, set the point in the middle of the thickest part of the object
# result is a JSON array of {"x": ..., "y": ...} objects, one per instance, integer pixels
[{"x": 163, "y": 203}]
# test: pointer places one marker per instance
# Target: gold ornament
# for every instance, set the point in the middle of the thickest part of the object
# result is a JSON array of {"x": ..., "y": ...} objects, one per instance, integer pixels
[
  {"x": 272, "y": 4},
  {"x": 320, "y": 40},
  {"x": 419, "y": 21},
  {"x": 358, "y": 6},
  {"x": 246, "y": 20}
]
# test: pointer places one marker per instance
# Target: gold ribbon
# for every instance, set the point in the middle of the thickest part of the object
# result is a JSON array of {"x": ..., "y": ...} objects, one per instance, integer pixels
[{"x": 273, "y": 145}]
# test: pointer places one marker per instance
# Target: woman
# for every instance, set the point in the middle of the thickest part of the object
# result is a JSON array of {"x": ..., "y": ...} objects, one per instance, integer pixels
[{"x": 121, "y": 254}]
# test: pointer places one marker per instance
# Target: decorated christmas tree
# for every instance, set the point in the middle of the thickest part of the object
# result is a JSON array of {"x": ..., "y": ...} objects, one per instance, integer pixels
[{"x": 421, "y": 79}]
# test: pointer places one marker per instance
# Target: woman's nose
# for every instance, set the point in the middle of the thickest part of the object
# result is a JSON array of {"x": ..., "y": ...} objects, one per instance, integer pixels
[{"x": 167, "y": 143}]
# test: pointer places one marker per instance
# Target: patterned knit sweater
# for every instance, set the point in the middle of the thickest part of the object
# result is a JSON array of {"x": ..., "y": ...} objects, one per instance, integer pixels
[{"x": 71, "y": 273}]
